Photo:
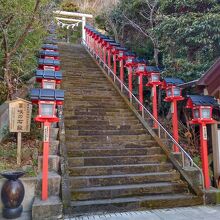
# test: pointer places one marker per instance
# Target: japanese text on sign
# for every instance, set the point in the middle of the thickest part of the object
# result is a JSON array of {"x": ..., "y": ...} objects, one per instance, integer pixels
[{"x": 19, "y": 116}]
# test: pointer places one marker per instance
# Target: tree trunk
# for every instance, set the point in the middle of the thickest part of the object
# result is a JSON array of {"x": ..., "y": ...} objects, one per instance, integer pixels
[{"x": 156, "y": 51}]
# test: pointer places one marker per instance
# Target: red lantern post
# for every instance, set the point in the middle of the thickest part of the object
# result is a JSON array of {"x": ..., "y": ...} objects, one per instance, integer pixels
[
  {"x": 121, "y": 58},
  {"x": 154, "y": 81},
  {"x": 93, "y": 36},
  {"x": 105, "y": 45},
  {"x": 114, "y": 52},
  {"x": 102, "y": 54},
  {"x": 110, "y": 45},
  {"x": 140, "y": 72},
  {"x": 129, "y": 64},
  {"x": 173, "y": 95},
  {"x": 90, "y": 41},
  {"x": 96, "y": 39},
  {"x": 46, "y": 115},
  {"x": 202, "y": 107}
]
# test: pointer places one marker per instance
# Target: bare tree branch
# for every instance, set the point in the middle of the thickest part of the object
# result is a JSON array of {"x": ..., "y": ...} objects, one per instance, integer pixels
[
  {"x": 25, "y": 32},
  {"x": 4, "y": 42}
]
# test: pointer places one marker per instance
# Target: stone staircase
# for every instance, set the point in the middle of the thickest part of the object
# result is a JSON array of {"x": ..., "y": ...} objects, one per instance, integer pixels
[{"x": 114, "y": 164}]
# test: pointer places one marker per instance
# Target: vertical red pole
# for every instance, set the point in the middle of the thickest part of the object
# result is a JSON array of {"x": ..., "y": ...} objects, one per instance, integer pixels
[
  {"x": 204, "y": 154},
  {"x": 88, "y": 41},
  {"x": 96, "y": 48},
  {"x": 130, "y": 80},
  {"x": 175, "y": 124},
  {"x": 45, "y": 160},
  {"x": 141, "y": 99},
  {"x": 104, "y": 54},
  {"x": 101, "y": 51},
  {"x": 154, "y": 91},
  {"x": 93, "y": 45},
  {"x": 109, "y": 58},
  {"x": 122, "y": 71},
  {"x": 115, "y": 64}
]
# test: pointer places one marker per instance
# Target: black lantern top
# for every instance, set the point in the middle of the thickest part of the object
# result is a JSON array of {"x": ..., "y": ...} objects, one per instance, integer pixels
[
  {"x": 47, "y": 95},
  {"x": 50, "y": 47},
  {"x": 140, "y": 65},
  {"x": 173, "y": 92},
  {"x": 121, "y": 48},
  {"x": 130, "y": 54},
  {"x": 114, "y": 44},
  {"x": 121, "y": 52},
  {"x": 116, "y": 50},
  {"x": 106, "y": 41},
  {"x": 50, "y": 41},
  {"x": 130, "y": 59},
  {"x": 153, "y": 69},
  {"x": 49, "y": 62},
  {"x": 201, "y": 100},
  {"x": 48, "y": 74},
  {"x": 49, "y": 53},
  {"x": 168, "y": 81},
  {"x": 102, "y": 38},
  {"x": 140, "y": 60},
  {"x": 202, "y": 107},
  {"x": 111, "y": 45}
]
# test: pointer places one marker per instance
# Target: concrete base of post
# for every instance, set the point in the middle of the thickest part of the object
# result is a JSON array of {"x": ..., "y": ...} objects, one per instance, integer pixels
[
  {"x": 47, "y": 210},
  {"x": 212, "y": 196}
]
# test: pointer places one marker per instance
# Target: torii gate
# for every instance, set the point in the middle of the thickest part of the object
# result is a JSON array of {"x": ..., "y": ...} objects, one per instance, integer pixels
[{"x": 74, "y": 14}]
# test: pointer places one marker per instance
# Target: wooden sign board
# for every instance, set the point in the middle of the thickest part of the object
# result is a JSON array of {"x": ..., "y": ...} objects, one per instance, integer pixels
[{"x": 20, "y": 112}]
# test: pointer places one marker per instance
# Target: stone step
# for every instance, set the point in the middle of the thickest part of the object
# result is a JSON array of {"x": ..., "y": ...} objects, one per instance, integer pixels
[
  {"x": 97, "y": 114},
  {"x": 120, "y": 118},
  {"x": 102, "y": 107},
  {"x": 119, "y": 169},
  {"x": 134, "y": 203},
  {"x": 72, "y": 104},
  {"x": 113, "y": 152},
  {"x": 110, "y": 138},
  {"x": 104, "y": 112},
  {"x": 111, "y": 192},
  {"x": 122, "y": 179},
  {"x": 94, "y": 98},
  {"x": 98, "y": 120},
  {"x": 115, "y": 160},
  {"x": 109, "y": 143},
  {"x": 93, "y": 122},
  {"x": 104, "y": 132},
  {"x": 88, "y": 91},
  {"x": 94, "y": 87},
  {"x": 92, "y": 127}
]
